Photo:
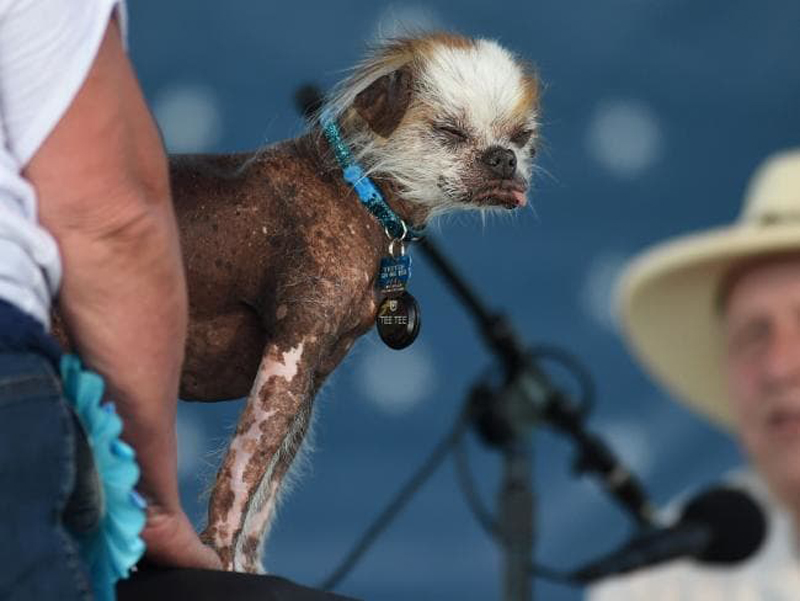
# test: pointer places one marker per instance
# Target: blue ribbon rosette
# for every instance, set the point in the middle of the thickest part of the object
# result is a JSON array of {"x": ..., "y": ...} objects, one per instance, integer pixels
[{"x": 112, "y": 546}]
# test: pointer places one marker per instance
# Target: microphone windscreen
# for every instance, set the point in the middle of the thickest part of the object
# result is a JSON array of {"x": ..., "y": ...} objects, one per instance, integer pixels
[{"x": 737, "y": 524}]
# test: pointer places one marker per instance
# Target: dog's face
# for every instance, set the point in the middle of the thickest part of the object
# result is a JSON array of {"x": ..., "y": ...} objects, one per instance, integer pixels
[{"x": 453, "y": 121}]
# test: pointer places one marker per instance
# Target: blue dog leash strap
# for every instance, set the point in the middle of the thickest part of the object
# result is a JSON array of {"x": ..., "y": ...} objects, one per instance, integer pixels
[
  {"x": 368, "y": 193},
  {"x": 398, "y": 316}
]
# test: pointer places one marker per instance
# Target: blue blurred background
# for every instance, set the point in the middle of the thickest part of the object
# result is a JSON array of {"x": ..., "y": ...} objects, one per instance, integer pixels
[{"x": 655, "y": 114}]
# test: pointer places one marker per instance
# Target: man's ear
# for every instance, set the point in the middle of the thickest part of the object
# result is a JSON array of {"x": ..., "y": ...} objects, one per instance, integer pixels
[{"x": 383, "y": 104}]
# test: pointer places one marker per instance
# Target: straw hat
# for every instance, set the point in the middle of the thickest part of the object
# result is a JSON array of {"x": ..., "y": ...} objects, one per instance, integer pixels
[{"x": 667, "y": 297}]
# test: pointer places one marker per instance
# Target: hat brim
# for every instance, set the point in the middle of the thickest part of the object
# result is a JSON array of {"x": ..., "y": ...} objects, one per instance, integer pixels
[{"x": 667, "y": 301}]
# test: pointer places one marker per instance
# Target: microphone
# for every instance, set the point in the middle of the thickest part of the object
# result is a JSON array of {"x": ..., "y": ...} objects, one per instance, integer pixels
[{"x": 720, "y": 526}]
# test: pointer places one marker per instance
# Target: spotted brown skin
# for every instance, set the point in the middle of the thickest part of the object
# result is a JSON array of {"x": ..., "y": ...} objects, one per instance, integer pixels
[
  {"x": 262, "y": 241},
  {"x": 281, "y": 260}
]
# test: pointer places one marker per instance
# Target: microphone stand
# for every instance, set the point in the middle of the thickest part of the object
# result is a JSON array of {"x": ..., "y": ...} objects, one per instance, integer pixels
[{"x": 505, "y": 419}]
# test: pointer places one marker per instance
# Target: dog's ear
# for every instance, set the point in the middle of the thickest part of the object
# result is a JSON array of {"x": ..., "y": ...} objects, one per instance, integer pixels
[{"x": 383, "y": 104}]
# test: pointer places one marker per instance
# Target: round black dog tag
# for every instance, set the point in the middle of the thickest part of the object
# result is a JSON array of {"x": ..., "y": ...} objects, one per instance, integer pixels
[{"x": 398, "y": 320}]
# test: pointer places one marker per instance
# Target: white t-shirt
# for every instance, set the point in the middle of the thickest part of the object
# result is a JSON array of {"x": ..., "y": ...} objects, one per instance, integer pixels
[
  {"x": 772, "y": 574},
  {"x": 46, "y": 50}
]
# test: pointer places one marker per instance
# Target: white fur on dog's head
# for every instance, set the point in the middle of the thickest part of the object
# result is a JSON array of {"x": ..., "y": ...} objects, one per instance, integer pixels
[{"x": 424, "y": 112}]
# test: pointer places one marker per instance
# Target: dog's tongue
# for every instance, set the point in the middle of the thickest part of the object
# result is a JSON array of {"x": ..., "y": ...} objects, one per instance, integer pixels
[{"x": 520, "y": 197}]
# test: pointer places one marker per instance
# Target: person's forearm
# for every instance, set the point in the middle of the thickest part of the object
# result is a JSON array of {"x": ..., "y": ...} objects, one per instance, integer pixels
[
  {"x": 102, "y": 185},
  {"x": 123, "y": 298}
]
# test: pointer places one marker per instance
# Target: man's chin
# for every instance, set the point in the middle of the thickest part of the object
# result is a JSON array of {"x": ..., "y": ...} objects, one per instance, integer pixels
[{"x": 778, "y": 462}]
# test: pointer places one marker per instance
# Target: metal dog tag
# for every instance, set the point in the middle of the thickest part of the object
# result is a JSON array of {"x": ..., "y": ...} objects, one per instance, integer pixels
[
  {"x": 398, "y": 320},
  {"x": 394, "y": 273}
]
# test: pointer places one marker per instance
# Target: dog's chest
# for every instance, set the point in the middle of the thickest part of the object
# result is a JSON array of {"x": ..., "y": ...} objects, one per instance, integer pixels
[{"x": 268, "y": 258}]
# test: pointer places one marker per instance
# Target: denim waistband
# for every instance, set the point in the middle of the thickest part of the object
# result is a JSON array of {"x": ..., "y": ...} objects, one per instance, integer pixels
[{"x": 22, "y": 332}]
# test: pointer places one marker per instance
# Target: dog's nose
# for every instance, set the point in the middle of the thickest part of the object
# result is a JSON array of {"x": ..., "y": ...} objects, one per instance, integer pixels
[{"x": 502, "y": 161}]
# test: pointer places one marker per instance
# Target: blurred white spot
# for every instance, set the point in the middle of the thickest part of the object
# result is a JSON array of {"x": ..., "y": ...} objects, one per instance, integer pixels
[
  {"x": 406, "y": 19},
  {"x": 396, "y": 381},
  {"x": 191, "y": 448},
  {"x": 630, "y": 443},
  {"x": 189, "y": 118},
  {"x": 597, "y": 296},
  {"x": 624, "y": 137}
]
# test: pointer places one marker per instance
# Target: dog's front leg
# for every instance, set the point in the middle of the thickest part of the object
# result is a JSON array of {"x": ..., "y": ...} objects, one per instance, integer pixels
[{"x": 269, "y": 433}]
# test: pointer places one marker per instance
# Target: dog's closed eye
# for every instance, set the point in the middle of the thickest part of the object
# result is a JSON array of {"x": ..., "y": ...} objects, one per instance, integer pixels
[{"x": 451, "y": 133}]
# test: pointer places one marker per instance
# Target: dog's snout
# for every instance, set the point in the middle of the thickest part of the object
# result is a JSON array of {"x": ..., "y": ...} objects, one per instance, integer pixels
[{"x": 502, "y": 161}]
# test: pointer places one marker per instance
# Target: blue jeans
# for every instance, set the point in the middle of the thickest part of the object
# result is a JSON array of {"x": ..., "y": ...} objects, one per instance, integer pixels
[{"x": 38, "y": 558}]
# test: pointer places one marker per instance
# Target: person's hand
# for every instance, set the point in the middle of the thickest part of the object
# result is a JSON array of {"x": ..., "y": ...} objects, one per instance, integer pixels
[{"x": 172, "y": 541}]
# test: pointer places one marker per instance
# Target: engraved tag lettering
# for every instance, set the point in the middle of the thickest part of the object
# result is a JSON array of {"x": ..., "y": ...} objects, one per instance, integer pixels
[
  {"x": 394, "y": 274},
  {"x": 398, "y": 320}
]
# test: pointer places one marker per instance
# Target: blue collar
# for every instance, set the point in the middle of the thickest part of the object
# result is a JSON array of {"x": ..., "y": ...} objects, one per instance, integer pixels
[{"x": 368, "y": 192}]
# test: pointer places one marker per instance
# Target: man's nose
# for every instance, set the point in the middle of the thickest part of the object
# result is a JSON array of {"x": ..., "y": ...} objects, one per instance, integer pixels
[{"x": 783, "y": 358}]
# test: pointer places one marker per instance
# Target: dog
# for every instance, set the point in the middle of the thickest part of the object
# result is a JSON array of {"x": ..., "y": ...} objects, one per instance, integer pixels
[{"x": 281, "y": 256}]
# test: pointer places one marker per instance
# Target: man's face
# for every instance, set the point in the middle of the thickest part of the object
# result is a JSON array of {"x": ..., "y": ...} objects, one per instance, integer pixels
[{"x": 762, "y": 336}]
